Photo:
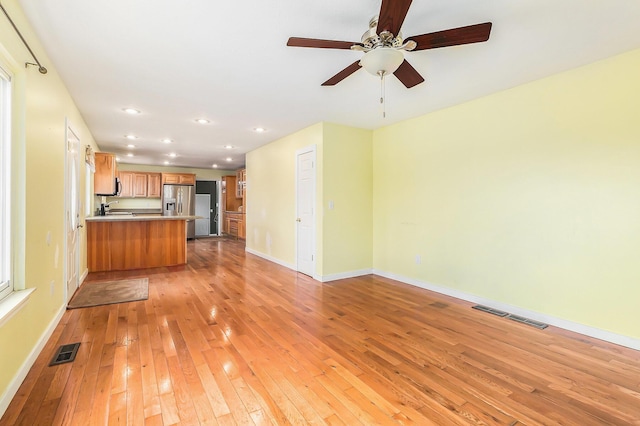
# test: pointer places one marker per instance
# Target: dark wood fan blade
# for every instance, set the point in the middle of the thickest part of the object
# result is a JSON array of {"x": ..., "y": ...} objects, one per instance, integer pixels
[
  {"x": 317, "y": 43},
  {"x": 408, "y": 75},
  {"x": 392, "y": 14},
  {"x": 453, "y": 37},
  {"x": 343, "y": 74}
]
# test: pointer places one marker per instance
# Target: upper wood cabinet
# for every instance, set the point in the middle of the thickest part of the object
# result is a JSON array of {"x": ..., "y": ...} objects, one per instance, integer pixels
[
  {"x": 154, "y": 185},
  {"x": 229, "y": 200},
  {"x": 140, "y": 184},
  {"x": 104, "y": 179},
  {"x": 126, "y": 180},
  {"x": 241, "y": 176},
  {"x": 179, "y": 178}
]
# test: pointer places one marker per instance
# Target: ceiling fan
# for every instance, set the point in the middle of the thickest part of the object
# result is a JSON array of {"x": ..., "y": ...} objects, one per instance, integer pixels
[{"x": 383, "y": 44}]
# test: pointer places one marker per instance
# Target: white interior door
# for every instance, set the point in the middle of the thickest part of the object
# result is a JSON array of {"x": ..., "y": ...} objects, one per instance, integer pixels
[
  {"x": 72, "y": 212},
  {"x": 305, "y": 210},
  {"x": 203, "y": 208}
]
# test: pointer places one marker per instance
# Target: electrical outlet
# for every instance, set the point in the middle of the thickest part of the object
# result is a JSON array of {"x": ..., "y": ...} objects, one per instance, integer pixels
[
  {"x": 418, "y": 259},
  {"x": 52, "y": 287}
]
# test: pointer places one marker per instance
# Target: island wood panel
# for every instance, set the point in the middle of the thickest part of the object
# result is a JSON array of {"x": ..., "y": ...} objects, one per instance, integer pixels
[{"x": 126, "y": 245}]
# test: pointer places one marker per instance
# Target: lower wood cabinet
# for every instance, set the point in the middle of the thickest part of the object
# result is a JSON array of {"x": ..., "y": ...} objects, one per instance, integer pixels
[{"x": 234, "y": 225}]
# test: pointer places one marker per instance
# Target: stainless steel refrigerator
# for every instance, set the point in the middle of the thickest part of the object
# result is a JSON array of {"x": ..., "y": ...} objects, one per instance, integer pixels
[{"x": 180, "y": 200}]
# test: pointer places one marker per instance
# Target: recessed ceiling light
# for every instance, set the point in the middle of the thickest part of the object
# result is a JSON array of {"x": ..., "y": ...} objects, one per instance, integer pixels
[
  {"x": 202, "y": 120},
  {"x": 229, "y": 159},
  {"x": 172, "y": 155},
  {"x": 132, "y": 137},
  {"x": 228, "y": 146},
  {"x": 215, "y": 166},
  {"x": 117, "y": 158},
  {"x": 131, "y": 145},
  {"x": 129, "y": 155},
  {"x": 166, "y": 162},
  {"x": 259, "y": 129},
  {"x": 167, "y": 140},
  {"x": 132, "y": 111}
]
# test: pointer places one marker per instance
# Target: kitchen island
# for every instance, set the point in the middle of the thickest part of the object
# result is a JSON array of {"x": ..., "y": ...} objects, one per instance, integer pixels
[{"x": 124, "y": 242}]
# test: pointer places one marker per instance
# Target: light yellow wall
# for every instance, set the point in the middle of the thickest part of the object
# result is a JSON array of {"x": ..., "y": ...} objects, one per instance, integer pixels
[
  {"x": 348, "y": 183},
  {"x": 529, "y": 197},
  {"x": 270, "y": 210},
  {"x": 344, "y": 176},
  {"x": 42, "y": 105}
]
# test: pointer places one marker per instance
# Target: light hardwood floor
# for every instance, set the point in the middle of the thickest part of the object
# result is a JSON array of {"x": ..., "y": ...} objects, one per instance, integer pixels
[{"x": 233, "y": 339}]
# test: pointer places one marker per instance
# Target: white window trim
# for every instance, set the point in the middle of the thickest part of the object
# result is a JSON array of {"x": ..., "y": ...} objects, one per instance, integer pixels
[{"x": 7, "y": 286}]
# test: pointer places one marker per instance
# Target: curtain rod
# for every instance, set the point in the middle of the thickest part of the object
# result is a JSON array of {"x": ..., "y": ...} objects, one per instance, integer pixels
[{"x": 42, "y": 69}]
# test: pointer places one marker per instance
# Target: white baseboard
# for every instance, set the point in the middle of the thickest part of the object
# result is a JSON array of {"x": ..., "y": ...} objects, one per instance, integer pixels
[
  {"x": 321, "y": 278},
  {"x": 14, "y": 385},
  {"x": 343, "y": 275},
  {"x": 83, "y": 277},
  {"x": 271, "y": 259},
  {"x": 586, "y": 330}
]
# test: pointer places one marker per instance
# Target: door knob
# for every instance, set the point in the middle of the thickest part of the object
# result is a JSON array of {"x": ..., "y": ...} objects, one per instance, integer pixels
[{"x": 298, "y": 220}]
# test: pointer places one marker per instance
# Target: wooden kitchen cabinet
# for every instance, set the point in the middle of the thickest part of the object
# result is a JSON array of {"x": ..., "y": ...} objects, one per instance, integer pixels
[
  {"x": 154, "y": 185},
  {"x": 140, "y": 184},
  {"x": 241, "y": 228},
  {"x": 104, "y": 179},
  {"x": 179, "y": 178},
  {"x": 126, "y": 180},
  {"x": 240, "y": 182},
  {"x": 234, "y": 225},
  {"x": 229, "y": 200},
  {"x": 233, "y": 206}
]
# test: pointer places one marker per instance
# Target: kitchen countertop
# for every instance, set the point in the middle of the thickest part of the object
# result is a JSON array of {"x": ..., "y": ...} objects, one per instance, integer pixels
[{"x": 136, "y": 217}]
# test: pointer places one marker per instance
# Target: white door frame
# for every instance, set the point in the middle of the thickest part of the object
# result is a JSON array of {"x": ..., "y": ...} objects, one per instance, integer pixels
[
  {"x": 70, "y": 132},
  {"x": 305, "y": 150}
]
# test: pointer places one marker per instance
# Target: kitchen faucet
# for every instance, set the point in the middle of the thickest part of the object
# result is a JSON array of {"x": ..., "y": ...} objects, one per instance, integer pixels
[{"x": 103, "y": 207}]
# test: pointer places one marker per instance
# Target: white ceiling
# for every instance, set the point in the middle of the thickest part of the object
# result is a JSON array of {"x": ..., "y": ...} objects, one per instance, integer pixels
[{"x": 228, "y": 61}]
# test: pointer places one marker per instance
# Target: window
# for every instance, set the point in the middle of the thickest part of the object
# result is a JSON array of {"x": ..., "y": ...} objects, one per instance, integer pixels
[{"x": 6, "y": 286}]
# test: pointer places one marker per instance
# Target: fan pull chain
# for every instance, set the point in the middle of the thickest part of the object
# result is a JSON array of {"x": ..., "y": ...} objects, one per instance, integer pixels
[{"x": 382, "y": 94}]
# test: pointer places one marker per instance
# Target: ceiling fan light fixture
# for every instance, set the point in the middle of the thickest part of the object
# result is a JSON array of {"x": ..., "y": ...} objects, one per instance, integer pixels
[{"x": 383, "y": 59}]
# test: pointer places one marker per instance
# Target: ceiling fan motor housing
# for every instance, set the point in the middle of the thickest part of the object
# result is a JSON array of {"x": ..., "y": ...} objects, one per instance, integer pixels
[{"x": 372, "y": 40}]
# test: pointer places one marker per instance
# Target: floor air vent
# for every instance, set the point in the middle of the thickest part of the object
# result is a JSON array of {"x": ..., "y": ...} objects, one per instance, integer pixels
[
  {"x": 65, "y": 353},
  {"x": 523, "y": 320},
  {"x": 490, "y": 310},
  {"x": 527, "y": 321}
]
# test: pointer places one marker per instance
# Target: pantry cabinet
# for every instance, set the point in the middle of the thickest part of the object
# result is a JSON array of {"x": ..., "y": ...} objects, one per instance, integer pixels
[{"x": 233, "y": 202}]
